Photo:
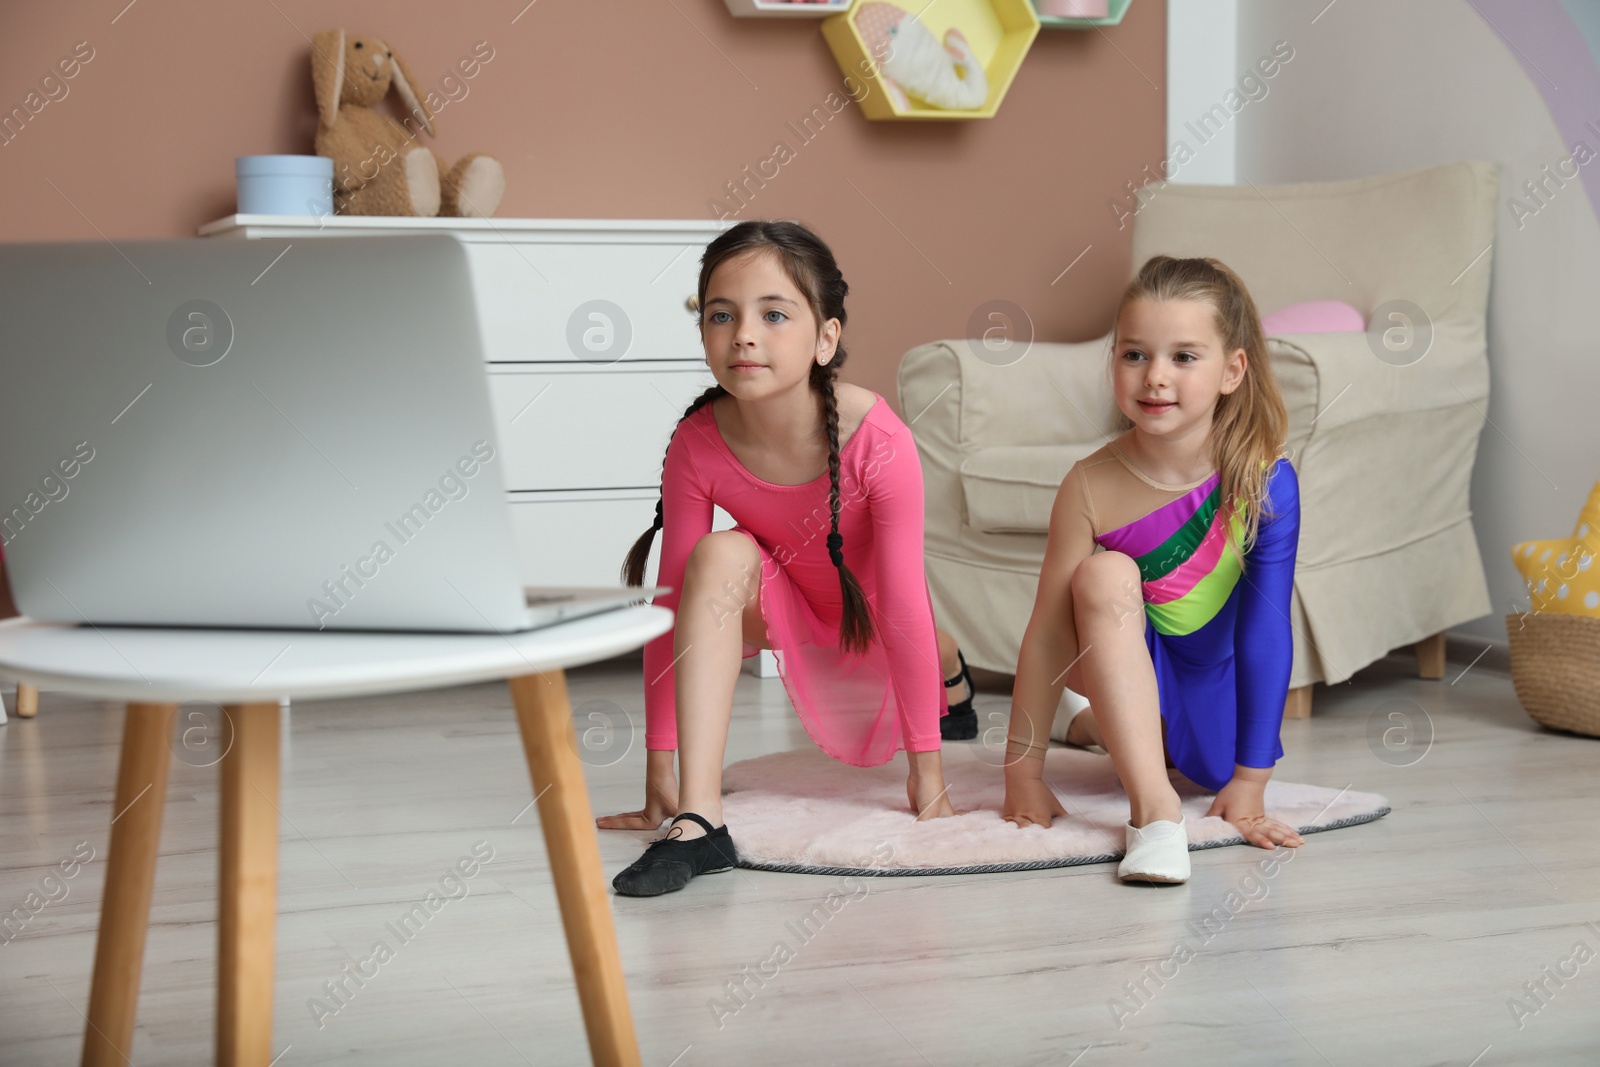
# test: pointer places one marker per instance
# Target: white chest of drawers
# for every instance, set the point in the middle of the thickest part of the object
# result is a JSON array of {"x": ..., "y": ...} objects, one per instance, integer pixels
[{"x": 592, "y": 355}]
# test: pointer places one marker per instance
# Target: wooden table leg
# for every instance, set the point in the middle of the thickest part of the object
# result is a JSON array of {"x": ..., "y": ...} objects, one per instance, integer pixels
[
  {"x": 545, "y": 718},
  {"x": 27, "y": 700},
  {"x": 1430, "y": 657},
  {"x": 140, "y": 800},
  {"x": 247, "y": 906}
]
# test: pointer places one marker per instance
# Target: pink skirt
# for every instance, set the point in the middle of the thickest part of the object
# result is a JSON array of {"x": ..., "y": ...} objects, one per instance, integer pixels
[{"x": 846, "y": 702}]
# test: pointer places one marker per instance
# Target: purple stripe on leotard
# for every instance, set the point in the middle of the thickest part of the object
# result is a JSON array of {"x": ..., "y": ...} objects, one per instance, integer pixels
[{"x": 1151, "y": 532}]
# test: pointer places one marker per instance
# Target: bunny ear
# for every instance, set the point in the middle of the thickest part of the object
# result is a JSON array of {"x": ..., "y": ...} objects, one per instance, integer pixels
[
  {"x": 403, "y": 82},
  {"x": 327, "y": 73}
]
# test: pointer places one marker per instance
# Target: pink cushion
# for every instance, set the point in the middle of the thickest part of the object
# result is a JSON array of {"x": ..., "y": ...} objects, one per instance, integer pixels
[{"x": 1314, "y": 316}]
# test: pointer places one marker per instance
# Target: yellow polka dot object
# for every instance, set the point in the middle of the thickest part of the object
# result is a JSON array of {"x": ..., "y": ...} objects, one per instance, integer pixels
[{"x": 1563, "y": 576}]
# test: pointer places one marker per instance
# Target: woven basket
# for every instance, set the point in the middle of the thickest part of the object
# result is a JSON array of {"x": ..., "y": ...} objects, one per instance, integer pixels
[{"x": 1555, "y": 666}]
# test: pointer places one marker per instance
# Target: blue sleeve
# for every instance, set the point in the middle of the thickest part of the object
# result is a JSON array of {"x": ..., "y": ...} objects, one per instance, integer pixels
[{"x": 1263, "y": 641}]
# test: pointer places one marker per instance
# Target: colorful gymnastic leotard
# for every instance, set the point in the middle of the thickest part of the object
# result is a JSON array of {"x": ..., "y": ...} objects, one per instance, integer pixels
[
  {"x": 1218, "y": 633},
  {"x": 858, "y": 709}
]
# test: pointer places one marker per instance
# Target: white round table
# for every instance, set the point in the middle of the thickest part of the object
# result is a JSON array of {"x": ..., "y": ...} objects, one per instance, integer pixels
[{"x": 247, "y": 672}]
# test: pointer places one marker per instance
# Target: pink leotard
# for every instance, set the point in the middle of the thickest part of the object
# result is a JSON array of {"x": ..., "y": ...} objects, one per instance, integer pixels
[{"x": 858, "y": 709}]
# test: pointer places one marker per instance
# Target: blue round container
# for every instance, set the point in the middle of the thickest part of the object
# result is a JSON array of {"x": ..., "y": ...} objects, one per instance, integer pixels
[{"x": 284, "y": 185}]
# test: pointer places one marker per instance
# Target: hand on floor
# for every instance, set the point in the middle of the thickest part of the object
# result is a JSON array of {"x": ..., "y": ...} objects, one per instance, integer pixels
[
  {"x": 661, "y": 803},
  {"x": 1029, "y": 802},
  {"x": 929, "y": 798},
  {"x": 1240, "y": 803},
  {"x": 643, "y": 819}
]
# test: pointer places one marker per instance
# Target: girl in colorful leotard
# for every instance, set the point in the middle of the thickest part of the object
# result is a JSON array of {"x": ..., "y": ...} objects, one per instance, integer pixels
[
  {"x": 825, "y": 569},
  {"x": 1177, "y": 630}
]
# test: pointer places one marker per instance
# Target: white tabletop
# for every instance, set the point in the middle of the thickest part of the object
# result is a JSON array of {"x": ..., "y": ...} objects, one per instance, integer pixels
[{"x": 235, "y": 666}]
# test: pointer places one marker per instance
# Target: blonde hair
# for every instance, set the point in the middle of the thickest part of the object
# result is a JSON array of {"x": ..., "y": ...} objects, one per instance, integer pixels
[{"x": 1249, "y": 426}]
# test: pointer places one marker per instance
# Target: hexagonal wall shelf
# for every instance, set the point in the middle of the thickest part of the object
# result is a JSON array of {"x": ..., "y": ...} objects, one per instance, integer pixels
[
  {"x": 786, "y": 9},
  {"x": 998, "y": 32},
  {"x": 1115, "y": 9}
]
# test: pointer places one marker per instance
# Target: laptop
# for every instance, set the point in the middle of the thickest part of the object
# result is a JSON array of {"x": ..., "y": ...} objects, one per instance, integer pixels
[{"x": 235, "y": 433}]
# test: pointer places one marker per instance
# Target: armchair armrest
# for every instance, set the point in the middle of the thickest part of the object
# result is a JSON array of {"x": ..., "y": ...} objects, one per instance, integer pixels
[
  {"x": 1387, "y": 553},
  {"x": 1390, "y": 446},
  {"x": 958, "y": 404}
]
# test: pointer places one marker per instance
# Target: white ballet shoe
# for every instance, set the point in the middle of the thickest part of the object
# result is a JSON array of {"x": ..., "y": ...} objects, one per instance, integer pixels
[{"x": 1158, "y": 852}]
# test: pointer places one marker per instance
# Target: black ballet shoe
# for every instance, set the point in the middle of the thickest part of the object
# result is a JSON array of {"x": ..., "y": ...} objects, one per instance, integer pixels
[
  {"x": 962, "y": 722},
  {"x": 668, "y": 864}
]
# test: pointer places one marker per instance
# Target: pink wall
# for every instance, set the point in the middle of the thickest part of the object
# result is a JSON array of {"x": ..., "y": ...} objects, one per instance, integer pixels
[{"x": 618, "y": 109}]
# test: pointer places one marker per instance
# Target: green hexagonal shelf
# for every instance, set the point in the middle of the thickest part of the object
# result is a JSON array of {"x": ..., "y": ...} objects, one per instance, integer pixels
[
  {"x": 1115, "y": 9},
  {"x": 998, "y": 31}
]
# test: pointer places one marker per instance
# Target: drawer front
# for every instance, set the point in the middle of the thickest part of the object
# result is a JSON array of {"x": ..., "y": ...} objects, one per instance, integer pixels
[
  {"x": 601, "y": 429},
  {"x": 582, "y": 542},
  {"x": 586, "y": 303}
]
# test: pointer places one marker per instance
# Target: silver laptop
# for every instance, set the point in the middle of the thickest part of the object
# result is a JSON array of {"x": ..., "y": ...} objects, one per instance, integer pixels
[{"x": 214, "y": 432}]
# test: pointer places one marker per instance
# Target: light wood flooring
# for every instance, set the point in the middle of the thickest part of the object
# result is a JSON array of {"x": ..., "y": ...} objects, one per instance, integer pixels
[{"x": 1400, "y": 942}]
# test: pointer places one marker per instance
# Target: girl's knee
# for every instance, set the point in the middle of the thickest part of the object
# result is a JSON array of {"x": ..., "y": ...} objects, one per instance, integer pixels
[
  {"x": 1107, "y": 582},
  {"x": 721, "y": 554},
  {"x": 1104, "y": 575},
  {"x": 724, "y": 572}
]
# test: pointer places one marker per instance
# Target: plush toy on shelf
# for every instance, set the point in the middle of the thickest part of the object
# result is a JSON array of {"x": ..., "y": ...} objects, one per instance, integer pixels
[
  {"x": 913, "y": 61},
  {"x": 378, "y": 166}
]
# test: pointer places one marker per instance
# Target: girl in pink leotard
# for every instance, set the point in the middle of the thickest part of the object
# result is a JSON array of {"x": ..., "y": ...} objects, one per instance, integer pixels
[{"x": 825, "y": 569}]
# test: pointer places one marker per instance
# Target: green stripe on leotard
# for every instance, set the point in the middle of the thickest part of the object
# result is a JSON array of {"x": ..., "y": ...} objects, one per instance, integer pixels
[
  {"x": 1186, "y": 578},
  {"x": 1184, "y": 540}
]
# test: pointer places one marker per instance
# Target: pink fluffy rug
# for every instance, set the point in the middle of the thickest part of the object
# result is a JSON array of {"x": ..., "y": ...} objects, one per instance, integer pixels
[{"x": 802, "y": 812}]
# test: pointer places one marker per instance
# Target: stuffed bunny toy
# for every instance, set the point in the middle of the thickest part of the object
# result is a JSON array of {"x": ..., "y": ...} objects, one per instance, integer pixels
[{"x": 378, "y": 168}]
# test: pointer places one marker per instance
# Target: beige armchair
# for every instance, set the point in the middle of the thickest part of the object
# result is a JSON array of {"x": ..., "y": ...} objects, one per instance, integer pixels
[{"x": 1384, "y": 451}]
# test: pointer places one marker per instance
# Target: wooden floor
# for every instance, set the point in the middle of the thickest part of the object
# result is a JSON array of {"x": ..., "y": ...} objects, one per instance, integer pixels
[{"x": 1401, "y": 942}]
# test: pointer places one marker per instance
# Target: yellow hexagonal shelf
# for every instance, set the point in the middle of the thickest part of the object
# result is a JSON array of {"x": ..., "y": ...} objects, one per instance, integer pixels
[{"x": 873, "y": 34}]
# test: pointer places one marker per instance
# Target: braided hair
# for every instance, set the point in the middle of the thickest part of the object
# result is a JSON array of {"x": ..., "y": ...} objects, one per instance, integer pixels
[{"x": 810, "y": 265}]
